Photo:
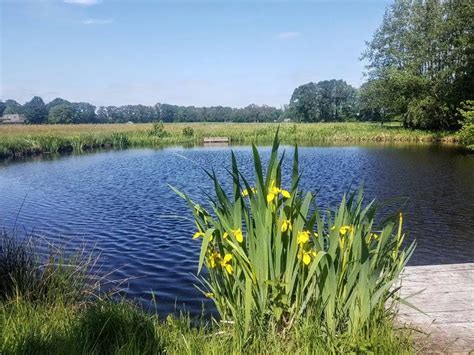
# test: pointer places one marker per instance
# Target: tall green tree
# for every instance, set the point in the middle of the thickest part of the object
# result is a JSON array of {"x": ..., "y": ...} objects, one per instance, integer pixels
[
  {"x": 421, "y": 62},
  {"x": 35, "y": 110},
  {"x": 62, "y": 113},
  {"x": 327, "y": 100}
]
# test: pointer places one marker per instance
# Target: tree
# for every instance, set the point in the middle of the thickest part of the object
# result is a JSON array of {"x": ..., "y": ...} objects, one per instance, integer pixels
[
  {"x": 2, "y": 107},
  {"x": 84, "y": 112},
  {"x": 35, "y": 110},
  {"x": 57, "y": 101},
  {"x": 328, "y": 100},
  {"x": 12, "y": 107},
  {"x": 62, "y": 113},
  {"x": 421, "y": 63}
]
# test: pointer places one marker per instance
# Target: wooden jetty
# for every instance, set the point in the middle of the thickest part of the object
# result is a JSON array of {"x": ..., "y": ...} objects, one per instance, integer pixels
[
  {"x": 216, "y": 140},
  {"x": 447, "y": 300}
]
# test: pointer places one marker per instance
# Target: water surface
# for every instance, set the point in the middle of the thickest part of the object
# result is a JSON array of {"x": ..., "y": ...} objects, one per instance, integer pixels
[{"x": 120, "y": 202}]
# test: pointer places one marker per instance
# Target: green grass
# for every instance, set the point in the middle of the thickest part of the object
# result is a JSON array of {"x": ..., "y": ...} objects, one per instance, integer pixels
[
  {"x": 106, "y": 327},
  {"x": 18, "y": 140},
  {"x": 67, "y": 316}
]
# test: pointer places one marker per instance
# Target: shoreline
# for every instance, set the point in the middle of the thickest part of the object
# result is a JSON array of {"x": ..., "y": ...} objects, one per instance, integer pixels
[{"x": 32, "y": 140}]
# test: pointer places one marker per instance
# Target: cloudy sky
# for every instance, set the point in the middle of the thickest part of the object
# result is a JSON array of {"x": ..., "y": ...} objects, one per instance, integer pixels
[{"x": 201, "y": 53}]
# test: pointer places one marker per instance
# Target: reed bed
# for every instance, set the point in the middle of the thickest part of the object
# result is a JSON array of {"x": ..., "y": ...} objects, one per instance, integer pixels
[{"x": 23, "y": 140}]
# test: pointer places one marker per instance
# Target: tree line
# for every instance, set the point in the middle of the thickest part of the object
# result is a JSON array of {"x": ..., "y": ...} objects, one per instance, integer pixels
[
  {"x": 328, "y": 100},
  {"x": 420, "y": 71},
  {"x": 63, "y": 111}
]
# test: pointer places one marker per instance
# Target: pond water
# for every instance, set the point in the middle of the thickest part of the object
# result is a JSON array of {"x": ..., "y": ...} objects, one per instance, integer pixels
[{"x": 120, "y": 203}]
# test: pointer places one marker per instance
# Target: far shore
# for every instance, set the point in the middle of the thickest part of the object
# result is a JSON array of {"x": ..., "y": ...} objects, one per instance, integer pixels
[{"x": 26, "y": 140}]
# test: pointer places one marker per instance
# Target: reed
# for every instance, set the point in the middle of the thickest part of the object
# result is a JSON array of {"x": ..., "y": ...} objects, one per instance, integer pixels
[{"x": 17, "y": 140}]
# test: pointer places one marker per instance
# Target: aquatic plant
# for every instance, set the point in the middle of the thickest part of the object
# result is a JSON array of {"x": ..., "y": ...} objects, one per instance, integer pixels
[
  {"x": 35, "y": 139},
  {"x": 273, "y": 257}
]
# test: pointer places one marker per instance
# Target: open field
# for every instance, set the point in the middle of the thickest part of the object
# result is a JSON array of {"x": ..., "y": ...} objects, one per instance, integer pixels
[{"x": 17, "y": 140}]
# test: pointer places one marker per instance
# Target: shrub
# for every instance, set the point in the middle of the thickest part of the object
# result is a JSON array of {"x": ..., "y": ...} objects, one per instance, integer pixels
[
  {"x": 427, "y": 113},
  {"x": 158, "y": 130},
  {"x": 273, "y": 256},
  {"x": 466, "y": 134},
  {"x": 188, "y": 132}
]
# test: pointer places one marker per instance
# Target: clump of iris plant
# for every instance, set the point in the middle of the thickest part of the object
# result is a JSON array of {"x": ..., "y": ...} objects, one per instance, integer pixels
[{"x": 272, "y": 255}]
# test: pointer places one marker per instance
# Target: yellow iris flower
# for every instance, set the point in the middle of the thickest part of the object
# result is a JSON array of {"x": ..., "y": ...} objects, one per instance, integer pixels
[
  {"x": 345, "y": 229},
  {"x": 306, "y": 256},
  {"x": 225, "y": 235},
  {"x": 213, "y": 258},
  {"x": 209, "y": 295},
  {"x": 302, "y": 237},
  {"x": 225, "y": 263},
  {"x": 238, "y": 235},
  {"x": 286, "y": 226},
  {"x": 274, "y": 191},
  {"x": 374, "y": 236},
  {"x": 198, "y": 234},
  {"x": 245, "y": 192}
]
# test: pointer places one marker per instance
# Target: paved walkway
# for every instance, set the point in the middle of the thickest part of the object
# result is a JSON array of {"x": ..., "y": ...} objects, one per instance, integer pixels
[{"x": 447, "y": 300}]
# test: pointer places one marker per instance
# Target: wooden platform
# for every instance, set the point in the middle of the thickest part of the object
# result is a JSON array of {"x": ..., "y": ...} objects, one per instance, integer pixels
[
  {"x": 216, "y": 140},
  {"x": 447, "y": 300}
]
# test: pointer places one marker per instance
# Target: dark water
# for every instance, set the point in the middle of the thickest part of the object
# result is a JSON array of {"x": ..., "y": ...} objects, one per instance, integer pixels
[{"x": 120, "y": 202}]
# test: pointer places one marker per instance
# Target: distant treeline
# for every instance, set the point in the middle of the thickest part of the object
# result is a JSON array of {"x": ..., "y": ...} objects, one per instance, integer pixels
[
  {"x": 332, "y": 100},
  {"x": 63, "y": 111},
  {"x": 420, "y": 71}
]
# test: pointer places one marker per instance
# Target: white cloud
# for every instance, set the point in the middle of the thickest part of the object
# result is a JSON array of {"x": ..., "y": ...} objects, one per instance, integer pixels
[
  {"x": 287, "y": 35},
  {"x": 97, "y": 21},
  {"x": 82, "y": 2}
]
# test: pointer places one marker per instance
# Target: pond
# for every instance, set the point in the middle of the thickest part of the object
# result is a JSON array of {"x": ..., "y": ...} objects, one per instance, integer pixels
[{"x": 119, "y": 202}]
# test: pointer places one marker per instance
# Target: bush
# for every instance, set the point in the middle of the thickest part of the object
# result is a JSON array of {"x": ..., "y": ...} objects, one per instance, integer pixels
[
  {"x": 188, "y": 132},
  {"x": 158, "y": 130},
  {"x": 271, "y": 255},
  {"x": 466, "y": 134},
  {"x": 427, "y": 113}
]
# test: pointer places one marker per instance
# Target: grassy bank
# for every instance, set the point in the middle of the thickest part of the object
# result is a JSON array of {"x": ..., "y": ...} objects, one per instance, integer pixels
[
  {"x": 18, "y": 140},
  {"x": 51, "y": 306}
]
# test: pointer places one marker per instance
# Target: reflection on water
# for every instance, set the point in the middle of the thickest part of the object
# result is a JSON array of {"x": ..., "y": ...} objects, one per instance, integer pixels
[{"x": 120, "y": 202}]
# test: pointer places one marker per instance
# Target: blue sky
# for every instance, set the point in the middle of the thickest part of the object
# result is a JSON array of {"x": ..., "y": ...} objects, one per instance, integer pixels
[{"x": 200, "y": 53}]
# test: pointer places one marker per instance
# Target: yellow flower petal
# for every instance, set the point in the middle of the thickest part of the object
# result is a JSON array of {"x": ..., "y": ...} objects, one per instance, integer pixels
[
  {"x": 270, "y": 197},
  {"x": 198, "y": 234},
  {"x": 345, "y": 229},
  {"x": 225, "y": 235},
  {"x": 285, "y": 194},
  {"x": 302, "y": 237},
  {"x": 286, "y": 225},
  {"x": 306, "y": 258},
  {"x": 238, "y": 235},
  {"x": 229, "y": 269},
  {"x": 227, "y": 258},
  {"x": 209, "y": 295}
]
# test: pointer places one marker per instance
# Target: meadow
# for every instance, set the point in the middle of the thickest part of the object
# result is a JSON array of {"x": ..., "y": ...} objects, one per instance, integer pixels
[{"x": 23, "y": 140}]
